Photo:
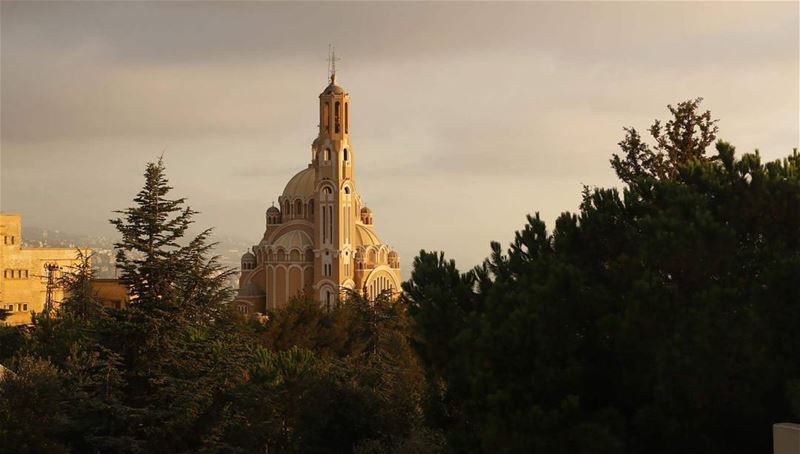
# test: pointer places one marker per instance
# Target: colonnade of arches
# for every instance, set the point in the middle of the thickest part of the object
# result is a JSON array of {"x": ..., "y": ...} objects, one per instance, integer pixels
[
  {"x": 296, "y": 209},
  {"x": 378, "y": 285}
]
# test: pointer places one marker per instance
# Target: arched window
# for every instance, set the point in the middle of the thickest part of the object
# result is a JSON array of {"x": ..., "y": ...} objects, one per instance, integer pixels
[
  {"x": 347, "y": 190},
  {"x": 336, "y": 115},
  {"x": 298, "y": 207},
  {"x": 311, "y": 207},
  {"x": 326, "y": 116},
  {"x": 327, "y": 154},
  {"x": 346, "y": 154},
  {"x": 346, "y": 118}
]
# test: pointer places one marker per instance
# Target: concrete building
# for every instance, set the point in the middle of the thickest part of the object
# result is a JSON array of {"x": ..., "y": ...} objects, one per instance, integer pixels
[
  {"x": 320, "y": 238},
  {"x": 24, "y": 272},
  {"x": 111, "y": 293},
  {"x": 786, "y": 438}
]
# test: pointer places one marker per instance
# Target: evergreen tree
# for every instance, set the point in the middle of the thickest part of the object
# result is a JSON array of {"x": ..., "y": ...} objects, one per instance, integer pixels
[
  {"x": 657, "y": 319},
  {"x": 161, "y": 273},
  {"x": 79, "y": 299},
  {"x": 683, "y": 138}
]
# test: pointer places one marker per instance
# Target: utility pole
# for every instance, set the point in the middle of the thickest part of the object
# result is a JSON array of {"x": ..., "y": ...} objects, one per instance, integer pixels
[{"x": 50, "y": 269}]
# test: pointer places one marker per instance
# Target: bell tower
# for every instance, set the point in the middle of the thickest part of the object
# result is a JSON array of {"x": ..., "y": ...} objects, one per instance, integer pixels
[{"x": 332, "y": 157}]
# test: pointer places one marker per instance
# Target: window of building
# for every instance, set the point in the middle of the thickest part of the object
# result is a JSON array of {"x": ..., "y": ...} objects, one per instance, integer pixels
[
  {"x": 336, "y": 115},
  {"x": 346, "y": 118},
  {"x": 25, "y": 307},
  {"x": 346, "y": 154},
  {"x": 327, "y": 154}
]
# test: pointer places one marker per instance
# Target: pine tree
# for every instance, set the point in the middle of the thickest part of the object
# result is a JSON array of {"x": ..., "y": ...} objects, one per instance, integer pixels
[{"x": 683, "y": 138}]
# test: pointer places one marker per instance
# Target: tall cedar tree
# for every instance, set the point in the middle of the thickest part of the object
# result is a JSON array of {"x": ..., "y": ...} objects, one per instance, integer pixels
[
  {"x": 161, "y": 273},
  {"x": 175, "y": 339}
]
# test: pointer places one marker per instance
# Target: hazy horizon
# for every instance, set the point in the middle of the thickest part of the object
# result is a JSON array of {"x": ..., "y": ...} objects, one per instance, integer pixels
[{"x": 465, "y": 116}]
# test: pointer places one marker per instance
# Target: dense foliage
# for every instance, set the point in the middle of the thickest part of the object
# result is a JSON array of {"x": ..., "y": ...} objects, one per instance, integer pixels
[{"x": 659, "y": 318}]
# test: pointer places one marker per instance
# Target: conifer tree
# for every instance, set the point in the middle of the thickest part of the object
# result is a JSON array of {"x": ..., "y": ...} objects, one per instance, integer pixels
[
  {"x": 684, "y": 137},
  {"x": 79, "y": 299},
  {"x": 160, "y": 272}
]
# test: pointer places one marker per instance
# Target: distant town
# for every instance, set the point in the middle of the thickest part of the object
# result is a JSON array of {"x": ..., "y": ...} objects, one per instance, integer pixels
[{"x": 229, "y": 249}]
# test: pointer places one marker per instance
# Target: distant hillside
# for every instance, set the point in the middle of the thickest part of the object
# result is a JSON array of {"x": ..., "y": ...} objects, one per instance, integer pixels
[{"x": 229, "y": 249}]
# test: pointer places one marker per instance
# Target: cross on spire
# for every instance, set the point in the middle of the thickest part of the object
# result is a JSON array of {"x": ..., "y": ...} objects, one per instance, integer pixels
[{"x": 332, "y": 63}]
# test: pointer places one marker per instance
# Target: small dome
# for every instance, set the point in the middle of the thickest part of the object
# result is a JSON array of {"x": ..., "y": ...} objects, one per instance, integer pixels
[
  {"x": 301, "y": 185},
  {"x": 366, "y": 210},
  {"x": 248, "y": 257},
  {"x": 334, "y": 89},
  {"x": 392, "y": 254},
  {"x": 273, "y": 210}
]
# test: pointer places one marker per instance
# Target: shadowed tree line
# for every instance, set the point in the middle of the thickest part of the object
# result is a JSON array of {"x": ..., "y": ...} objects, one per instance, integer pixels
[{"x": 660, "y": 317}]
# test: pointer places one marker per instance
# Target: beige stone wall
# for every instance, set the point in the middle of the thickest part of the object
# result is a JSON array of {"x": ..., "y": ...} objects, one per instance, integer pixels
[
  {"x": 111, "y": 293},
  {"x": 23, "y": 278},
  {"x": 786, "y": 438}
]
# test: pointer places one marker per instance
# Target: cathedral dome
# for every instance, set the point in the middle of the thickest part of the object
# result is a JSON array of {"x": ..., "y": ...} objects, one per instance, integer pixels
[
  {"x": 296, "y": 239},
  {"x": 301, "y": 185},
  {"x": 366, "y": 237},
  {"x": 273, "y": 210},
  {"x": 250, "y": 289}
]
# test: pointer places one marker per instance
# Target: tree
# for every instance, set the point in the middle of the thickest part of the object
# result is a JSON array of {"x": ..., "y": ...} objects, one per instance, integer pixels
[
  {"x": 656, "y": 319},
  {"x": 161, "y": 273},
  {"x": 29, "y": 407},
  {"x": 684, "y": 137},
  {"x": 79, "y": 299}
]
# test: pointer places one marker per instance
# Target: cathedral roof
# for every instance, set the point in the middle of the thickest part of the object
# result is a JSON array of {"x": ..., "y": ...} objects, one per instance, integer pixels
[
  {"x": 365, "y": 236},
  {"x": 333, "y": 89},
  {"x": 294, "y": 239},
  {"x": 301, "y": 185},
  {"x": 250, "y": 289}
]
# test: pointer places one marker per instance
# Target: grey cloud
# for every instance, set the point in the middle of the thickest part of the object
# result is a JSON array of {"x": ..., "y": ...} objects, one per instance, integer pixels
[{"x": 457, "y": 108}]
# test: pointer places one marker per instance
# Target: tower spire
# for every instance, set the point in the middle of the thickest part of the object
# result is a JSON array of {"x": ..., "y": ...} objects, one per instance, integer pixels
[{"x": 332, "y": 63}]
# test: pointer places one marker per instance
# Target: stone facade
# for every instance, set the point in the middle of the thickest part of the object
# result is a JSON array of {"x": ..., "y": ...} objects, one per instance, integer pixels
[
  {"x": 23, "y": 277},
  {"x": 320, "y": 238}
]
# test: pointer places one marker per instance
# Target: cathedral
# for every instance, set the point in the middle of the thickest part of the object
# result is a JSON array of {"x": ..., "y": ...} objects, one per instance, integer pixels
[{"x": 320, "y": 239}]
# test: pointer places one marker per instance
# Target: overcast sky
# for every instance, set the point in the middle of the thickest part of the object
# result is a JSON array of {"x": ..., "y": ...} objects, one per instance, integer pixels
[{"x": 465, "y": 116}]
